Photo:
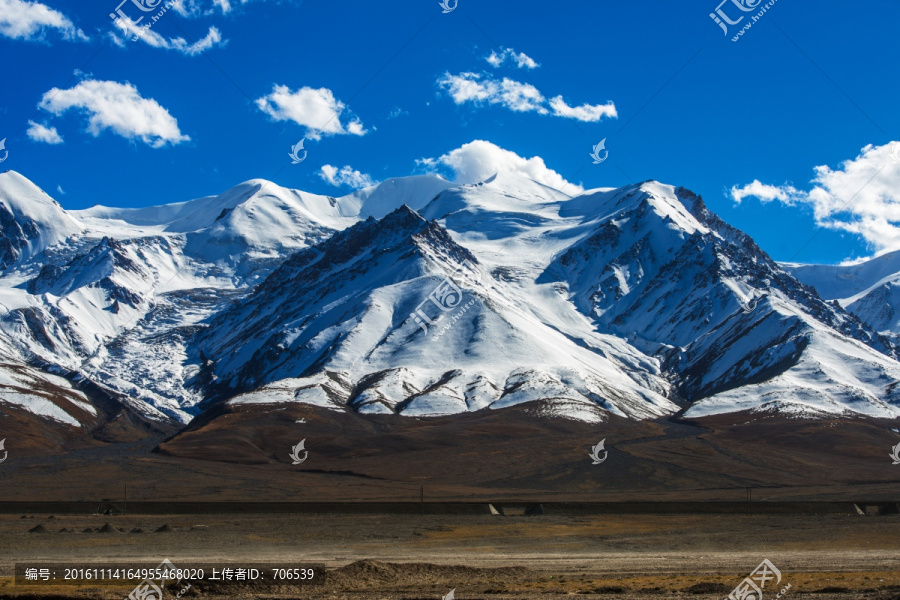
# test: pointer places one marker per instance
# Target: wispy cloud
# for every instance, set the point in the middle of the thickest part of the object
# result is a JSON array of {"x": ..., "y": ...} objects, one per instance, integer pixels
[
  {"x": 130, "y": 31},
  {"x": 315, "y": 109},
  {"x": 480, "y": 89},
  {"x": 397, "y": 112},
  {"x": 21, "y": 19},
  {"x": 345, "y": 176},
  {"x": 197, "y": 8},
  {"x": 118, "y": 107},
  {"x": 589, "y": 113},
  {"x": 519, "y": 59}
]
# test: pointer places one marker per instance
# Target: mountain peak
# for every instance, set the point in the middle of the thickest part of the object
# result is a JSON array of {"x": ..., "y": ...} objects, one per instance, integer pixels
[
  {"x": 30, "y": 220},
  {"x": 382, "y": 198}
]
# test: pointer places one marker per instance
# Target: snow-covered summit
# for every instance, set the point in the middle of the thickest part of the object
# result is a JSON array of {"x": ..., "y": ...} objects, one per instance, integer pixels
[{"x": 30, "y": 220}]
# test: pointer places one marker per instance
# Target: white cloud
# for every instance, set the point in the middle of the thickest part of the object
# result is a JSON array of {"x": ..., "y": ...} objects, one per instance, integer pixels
[
  {"x": 43, "y": 133},
  {"x": 521, "y": 60},
  {"x": 22, "y": 19},
  {"x": 861, "y": 196},
  {"x": 478, "y": 160},
  {"x": 471, "y": 87},
  {"x": 346, "y": 175},
  {"x": 118, "y": 107},
  {"x": 516, "y": 96},
  {"x": 315, "y": 109},
  {"x": 588, "y": 113},
  {"x": 134, "y": 32},
  {"x": 765, "y": 193},
  {"x": 60, "y": 190}
]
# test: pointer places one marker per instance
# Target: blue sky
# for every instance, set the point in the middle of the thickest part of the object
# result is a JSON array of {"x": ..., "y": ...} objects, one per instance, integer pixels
[{"x": 805, "y": 86}]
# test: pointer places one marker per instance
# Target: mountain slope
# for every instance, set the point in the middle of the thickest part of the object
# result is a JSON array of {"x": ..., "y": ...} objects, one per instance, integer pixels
[{"x": 335, "y": 326}]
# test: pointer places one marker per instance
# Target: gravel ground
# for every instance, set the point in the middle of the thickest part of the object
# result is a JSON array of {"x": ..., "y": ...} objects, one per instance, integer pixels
[{"x": 425, "y": 556}]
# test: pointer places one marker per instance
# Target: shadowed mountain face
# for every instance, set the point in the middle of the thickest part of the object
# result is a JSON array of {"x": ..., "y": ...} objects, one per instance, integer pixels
[{"x": 637, "y": 303}]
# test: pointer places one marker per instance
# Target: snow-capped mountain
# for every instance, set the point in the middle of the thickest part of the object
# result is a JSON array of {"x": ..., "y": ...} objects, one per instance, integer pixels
[
  {"x": 349, "y": 323},
  {"x": 116, "y": 293},
  {"x": 419, "y": 297},
  {"x": 683, "y": 306},
  {"x": 30, "y": 220},
  {"x": 870, "y": 290}
]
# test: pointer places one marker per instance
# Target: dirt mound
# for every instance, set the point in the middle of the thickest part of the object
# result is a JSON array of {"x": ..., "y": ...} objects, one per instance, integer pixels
[
  {"x": 64, "y": 530},
  {"x": 137, "y": 530},
  {"x": 707, "y": 587},
  {"x": 87, "y": 530},
  {"x": 38, "y": 529},
  {"x": 163, "y": 529},
  {"x": 107, "y": 529}
]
